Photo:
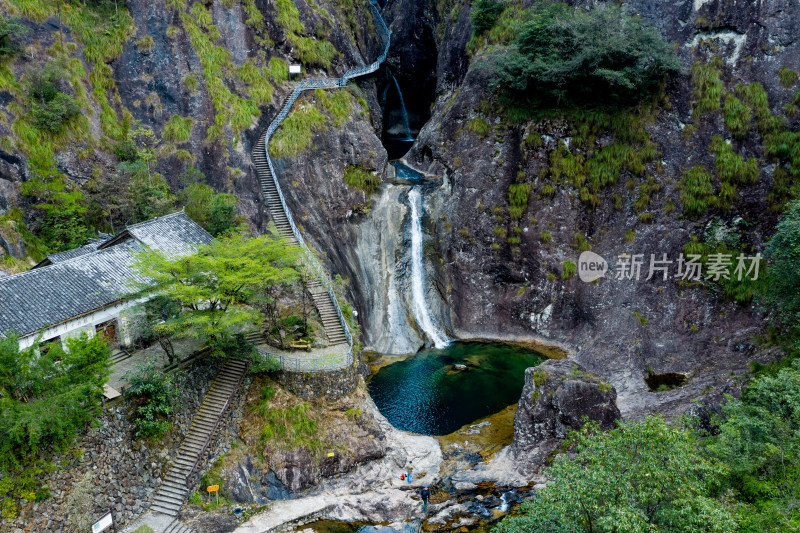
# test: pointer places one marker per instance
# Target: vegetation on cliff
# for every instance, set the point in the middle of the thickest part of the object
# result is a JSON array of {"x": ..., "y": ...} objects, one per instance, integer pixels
[{"x": 604, "y": 56}]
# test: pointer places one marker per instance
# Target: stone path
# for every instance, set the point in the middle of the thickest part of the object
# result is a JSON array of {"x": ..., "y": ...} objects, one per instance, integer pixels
[{"x": 185, "y": 349}]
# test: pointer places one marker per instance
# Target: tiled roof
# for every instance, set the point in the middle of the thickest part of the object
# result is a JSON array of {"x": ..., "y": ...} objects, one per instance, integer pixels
[
  {"x": 75, "y": 252},
  {"x": 52, "y": 294}
]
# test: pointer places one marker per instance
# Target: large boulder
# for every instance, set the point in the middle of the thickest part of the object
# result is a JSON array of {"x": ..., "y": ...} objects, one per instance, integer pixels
[{"x": 556, "y": 398}]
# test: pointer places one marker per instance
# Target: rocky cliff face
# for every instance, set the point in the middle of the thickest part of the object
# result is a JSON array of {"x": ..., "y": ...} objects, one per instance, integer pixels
[
  {"x": 489, "y": 274},
  {"x": 620, "y": 329}
]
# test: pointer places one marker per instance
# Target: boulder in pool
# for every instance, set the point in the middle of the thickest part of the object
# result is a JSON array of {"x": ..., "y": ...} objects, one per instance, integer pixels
[{"x": 556, "y": 397}]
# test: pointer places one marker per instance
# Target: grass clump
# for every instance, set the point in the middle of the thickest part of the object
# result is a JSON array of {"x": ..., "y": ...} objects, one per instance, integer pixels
[
  {"x": 296, "y": 132},
  {"x": 479, "y": 126},
  {"x": 707, "y": 87},
  {"x": 568, "y": 269},
  {"x": 737, "y": 116},
  {"x": 361, "y": 179},
  {"x": 787, "y": 77},
  {"x": 145, "y": 44},
  {"x": 697, "y": 191},
  {"x": 177, "y": 129},
  {"x": 518, "y": 194},
  {"x": 311, "y": 51}
]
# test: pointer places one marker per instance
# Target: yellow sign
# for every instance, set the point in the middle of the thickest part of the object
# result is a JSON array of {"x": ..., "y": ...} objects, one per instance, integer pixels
[
  {"x": 213, "y": 488},
  {"x": 331, "y": 454}
]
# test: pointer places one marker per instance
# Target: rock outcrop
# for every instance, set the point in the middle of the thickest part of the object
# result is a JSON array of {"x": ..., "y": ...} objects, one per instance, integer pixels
[{"x": 557, "y": 396}]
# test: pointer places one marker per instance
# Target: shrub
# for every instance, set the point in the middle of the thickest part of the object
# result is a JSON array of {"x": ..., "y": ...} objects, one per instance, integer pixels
[
  {"x": 51, "y": 108},
  {"x": 9, "y": 31},
  {"x": 215, "y": 212},
  {"x": 126, "y": 150},
  {"x": 484, "y": 14},
  {"x": 602, "y": 56},
  {"x": 153, "y": 392}
]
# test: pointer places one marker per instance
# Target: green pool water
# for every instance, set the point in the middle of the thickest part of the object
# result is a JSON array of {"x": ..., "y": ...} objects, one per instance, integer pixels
[{"x": 425, "y": 394}]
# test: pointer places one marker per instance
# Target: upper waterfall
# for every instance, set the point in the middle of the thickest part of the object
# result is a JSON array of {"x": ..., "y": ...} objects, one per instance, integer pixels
[{"x": 420, "y": 308}]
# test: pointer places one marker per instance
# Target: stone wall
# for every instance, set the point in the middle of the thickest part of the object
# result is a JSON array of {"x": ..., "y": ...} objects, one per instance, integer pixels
[
  {"x": 122, "y": 471},
  {"x": 331, "y": 385}
]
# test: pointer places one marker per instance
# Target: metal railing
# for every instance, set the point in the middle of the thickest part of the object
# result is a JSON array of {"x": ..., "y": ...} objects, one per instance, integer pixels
[
  {"x": 326, "y": 363},
  {"x": 323, "y": 83},
  {"x": 210, "y": 437}
]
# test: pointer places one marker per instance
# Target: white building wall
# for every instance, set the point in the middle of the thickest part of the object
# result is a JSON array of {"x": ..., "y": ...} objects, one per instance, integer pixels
[{"x": 86, "y": 323}]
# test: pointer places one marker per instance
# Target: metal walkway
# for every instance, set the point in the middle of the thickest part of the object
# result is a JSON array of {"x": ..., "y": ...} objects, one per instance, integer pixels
[{"x": 322, "y": 290}]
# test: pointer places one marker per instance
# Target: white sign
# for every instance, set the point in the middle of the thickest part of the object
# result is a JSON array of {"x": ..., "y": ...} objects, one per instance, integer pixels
[
  {"x": 294, "y": 69},
  {"x": 104, "y": 523}
]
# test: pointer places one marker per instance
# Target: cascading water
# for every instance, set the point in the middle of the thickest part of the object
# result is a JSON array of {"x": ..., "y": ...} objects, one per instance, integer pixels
[
  {"x": 419, "y": 305},
  {"x": 406, "y": 123}
]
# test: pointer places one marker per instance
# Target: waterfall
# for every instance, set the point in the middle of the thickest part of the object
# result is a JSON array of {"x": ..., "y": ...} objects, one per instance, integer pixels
[
  {"x": 420, "y": 307},
  {"x": 406, "y": 123}
]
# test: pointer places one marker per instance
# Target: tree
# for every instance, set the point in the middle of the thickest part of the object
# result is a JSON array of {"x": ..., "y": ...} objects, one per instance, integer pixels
[
  {"x": 484, "y": 14},
  {"x": 782, "y": 294},
  {"x": 51, "y": 107},
  {"x": 218, "y": 286},
  {"x": 47, "y": 396},
  {"x": 604, "y": 56},
  {"x": 641, "y": 477},
  {"x": 215, "y": 212},
  {"x": 759, "y": 440}
]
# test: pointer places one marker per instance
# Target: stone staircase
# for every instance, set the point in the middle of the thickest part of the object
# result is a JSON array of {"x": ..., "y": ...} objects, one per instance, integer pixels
[
  {"x": 320, "y": 289},
  {"x": 173, "y": 492},
  {"x": 176, "y": 527},
  {"x": 334, "y": 329}
]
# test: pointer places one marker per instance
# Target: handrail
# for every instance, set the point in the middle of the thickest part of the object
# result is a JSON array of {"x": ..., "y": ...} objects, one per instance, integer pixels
[
  {"x": 323, "y": 83},
  {"x": 216, "y": 425}
]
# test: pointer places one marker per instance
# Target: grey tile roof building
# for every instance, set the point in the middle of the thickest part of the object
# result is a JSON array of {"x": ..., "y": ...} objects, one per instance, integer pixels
[{"x": 71, "y": 287}]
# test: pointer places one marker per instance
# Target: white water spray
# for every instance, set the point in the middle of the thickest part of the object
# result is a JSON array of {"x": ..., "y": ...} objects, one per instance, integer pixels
[
  {"x": 406, "y": 122},
  {"x": 420, "y": 307}
]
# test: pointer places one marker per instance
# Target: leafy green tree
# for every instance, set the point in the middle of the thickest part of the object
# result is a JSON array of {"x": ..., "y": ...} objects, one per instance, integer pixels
[
  {"x": 604, "y": 56},
  {"x": 51, "y": 107},
  {"x": 47, "y": 396},
  {"x": 148, "y": 195},
  {"x": 215, "y": 212},
  {"x": 218, "y": 286},
  {"x": 484, "y": 15},
  {"x": 782, "y": 295},
  {"x": 153, "y": 392},
  {"x": 759, "y": 440},
  {"x": 644, "y": 476}
]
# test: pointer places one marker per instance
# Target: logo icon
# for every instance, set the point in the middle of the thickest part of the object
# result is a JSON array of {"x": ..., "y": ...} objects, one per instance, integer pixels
[{"x": 591, "y": 266}]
